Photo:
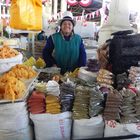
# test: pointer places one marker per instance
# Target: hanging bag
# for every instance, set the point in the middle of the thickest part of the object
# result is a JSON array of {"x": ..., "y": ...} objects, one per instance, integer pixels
[{"x": 26, "y": 14}]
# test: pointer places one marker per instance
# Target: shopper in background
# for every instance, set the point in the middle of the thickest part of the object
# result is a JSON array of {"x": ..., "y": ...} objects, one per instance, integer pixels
[
  {"x": 96, "y": 32},
  {"x": 41, "y": 36},
  {"x": 65, "y": 49}
]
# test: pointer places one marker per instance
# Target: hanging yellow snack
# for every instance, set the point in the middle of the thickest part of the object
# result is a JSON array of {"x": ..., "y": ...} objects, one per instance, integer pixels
[
  {"x": 26, "y": 14},
  {"x": 30, "y": 62},
  {"x": 40, "y": 63}
]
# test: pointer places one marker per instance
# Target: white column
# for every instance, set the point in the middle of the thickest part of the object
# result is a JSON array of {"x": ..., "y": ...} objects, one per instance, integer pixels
[
  {"x": 118, "y": 20},
  {"x": 48, "y": 9},
  {"x": 63, "y": 5},
  {"x": 102, "y": 12},
  {"x": 55, "y": 7}
]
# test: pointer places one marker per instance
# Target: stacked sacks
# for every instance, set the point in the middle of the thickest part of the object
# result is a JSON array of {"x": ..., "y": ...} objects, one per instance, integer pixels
[
  {"x": 14, "y": 122},
  {"x": 96, "y": 103},
  {"x": 46, "y": 76},
  {"x": 105, "y": 78},
  {"x": 87, "y": 76},
  {"x": 43, "y": 76},
  {"x": 122, "y": 81},
  {"x": 128, "y": 109},
  {"x": 52, "y": 104},
  {"x": 134, "y": 76},
  {"x": 103, "y": 54},
  {"x": 52, "y": 126},
  {"x": 67, "y": 91},
  {"x": 112, "y": 106},
  {"x": 93, "y": 65},
  {"x": 91, "y": 127},
  {"x": 137, "y": 104},
  {"x": 57, "y": 124},
  {"x": 36, "y": 103},
  {"x": 81, "y": 103},
  {"x": 41, "y": 87},
  {"x": 53, "y": 87}
]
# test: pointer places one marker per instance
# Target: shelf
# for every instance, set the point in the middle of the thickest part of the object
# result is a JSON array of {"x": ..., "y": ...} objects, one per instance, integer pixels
[{"x": 16, "y": 31}]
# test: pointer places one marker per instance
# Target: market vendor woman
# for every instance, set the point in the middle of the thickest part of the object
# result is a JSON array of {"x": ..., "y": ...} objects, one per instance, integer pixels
[{"x": 65, "y": 49}]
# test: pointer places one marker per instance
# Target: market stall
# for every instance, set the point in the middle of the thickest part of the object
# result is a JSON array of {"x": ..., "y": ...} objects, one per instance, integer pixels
[
  {"x": 73, "y": 106},
  {"x": 99, "y": 101}
]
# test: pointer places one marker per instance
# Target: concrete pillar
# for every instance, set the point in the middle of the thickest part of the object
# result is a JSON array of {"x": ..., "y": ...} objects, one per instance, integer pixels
[
  {"x": 48, "y": 9},
  {"x": 63, "y": 5},
  {"x": 55, "y": 7},
  {"x": 103, "y": 16},
  {"x": 118, "y": 20}
]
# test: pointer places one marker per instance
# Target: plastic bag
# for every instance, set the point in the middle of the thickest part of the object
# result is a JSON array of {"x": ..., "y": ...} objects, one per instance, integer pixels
[
  {"x": 26, "y": 14},
  {"x": 7, "y": 64},
  {"x": 52, "y": 126},
  {"x": 88, "y": 128}
]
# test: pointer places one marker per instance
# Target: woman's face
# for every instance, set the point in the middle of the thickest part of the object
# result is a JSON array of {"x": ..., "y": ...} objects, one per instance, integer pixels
[{"x": 67, "y": 28}]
